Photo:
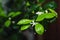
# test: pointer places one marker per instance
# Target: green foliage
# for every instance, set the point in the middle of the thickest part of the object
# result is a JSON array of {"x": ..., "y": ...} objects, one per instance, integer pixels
[
  {"x": 30, "y": 14},
  {"x": 51, "y": 5},
  {"x": 13, "y": 14}
]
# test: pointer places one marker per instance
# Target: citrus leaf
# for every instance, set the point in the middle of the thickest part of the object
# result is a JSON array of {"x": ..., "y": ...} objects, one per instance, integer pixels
[
  {"x": 52, "y": 11},
  {"x": 25, "y": 27},
  {"x": 24, "y": 21},
  {"x": 7, "y": 23},
  {"x": 40, "y": 17},
  {"x": 49, "y": 15},
  {"x": 13, "y": 14},
  {"x": 39, "y": 29}
]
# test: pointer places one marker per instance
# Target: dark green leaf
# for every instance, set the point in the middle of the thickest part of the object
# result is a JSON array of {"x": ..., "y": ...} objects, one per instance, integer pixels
[
  {"x": 51, "y": 5},
  {"x": 1, "y": 30},
  {"x": 24, "y": 21},
  {"x": 39, "y": 29},
  {"x": 25, "y": 27}
]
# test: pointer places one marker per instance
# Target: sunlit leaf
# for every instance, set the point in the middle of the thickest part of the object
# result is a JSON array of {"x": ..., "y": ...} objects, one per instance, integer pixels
[
  {"x": 24, "y": 21},
  {"x": 7, "y": 23},
  {"x": 40, "y": 17},
  {"x": 25, "y": 27},
  {"x": 49, "y": 15},
  {"x": 52, "y": 11},
  {"x": 39, "y": 29}
]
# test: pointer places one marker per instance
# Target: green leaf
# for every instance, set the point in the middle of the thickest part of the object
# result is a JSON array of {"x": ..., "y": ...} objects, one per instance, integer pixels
[
  {"x": 25, "y": 27},
  {"x": 40, "y": 17},
  {"x": 27, "y": 4},
  {"x": 2, "y": 14},
  {"x": 49, "y": 15},
  {"x": 24, "y": 21},
  {"x": 39, "y": 29},
  {"x": 52, "y": 11},
  {"x": 13, "y": 14},
  {"x": 7, "y": 23}
]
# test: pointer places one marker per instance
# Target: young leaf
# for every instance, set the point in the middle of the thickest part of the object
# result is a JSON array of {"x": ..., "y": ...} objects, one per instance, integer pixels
[
  {"x": 24, "y": 21},
  {"x": 25, "y": 27},
  {"x": 7, "y": 23},
  {"x": 40, "y": 17},
  {"x": 13, "y": 14},
  {"x": 39, "y": 29}
]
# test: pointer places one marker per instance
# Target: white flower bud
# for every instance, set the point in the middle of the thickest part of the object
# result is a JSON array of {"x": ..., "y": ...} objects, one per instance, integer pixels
[
  {"x": 39, "y": 13},
  {"x": 46, "y": 11},
  {"x": 9, "y": 18},
  {"x": 13, "y": 22}
]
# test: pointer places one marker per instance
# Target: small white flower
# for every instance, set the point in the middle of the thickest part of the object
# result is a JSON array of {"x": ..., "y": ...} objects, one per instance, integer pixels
[
  {"x": 9, "y": 18},
  {"x": 45, "y": 30},
  {"x": 33, "y": 23},
  {"x": 39, "y": 13},
  {"x": 13, "y": 22},
  {"x": 46, "y": 11}
]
